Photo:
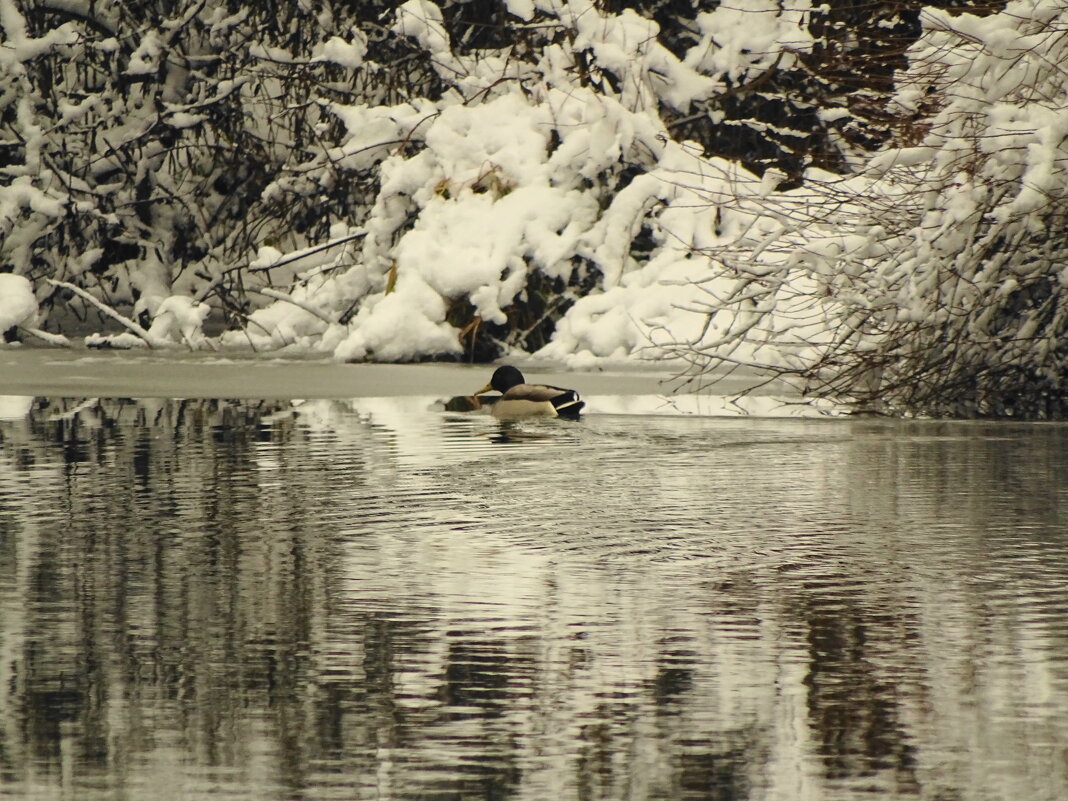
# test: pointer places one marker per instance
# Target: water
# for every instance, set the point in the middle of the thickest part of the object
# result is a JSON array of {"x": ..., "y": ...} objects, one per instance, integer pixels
[{"x": 378, "y": 599}]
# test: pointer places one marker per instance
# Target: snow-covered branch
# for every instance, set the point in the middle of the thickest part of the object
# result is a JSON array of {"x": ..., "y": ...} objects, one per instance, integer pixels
[{"x": 867, "y": 198}]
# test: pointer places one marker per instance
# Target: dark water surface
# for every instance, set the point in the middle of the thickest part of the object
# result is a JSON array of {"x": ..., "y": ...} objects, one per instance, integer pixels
[{"x": 368, "y": 599}]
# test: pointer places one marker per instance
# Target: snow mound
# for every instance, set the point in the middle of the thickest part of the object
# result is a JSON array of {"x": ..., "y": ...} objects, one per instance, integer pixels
[
  {"x": 18, "y": 305},
  {"x": 179, "y": 320}
]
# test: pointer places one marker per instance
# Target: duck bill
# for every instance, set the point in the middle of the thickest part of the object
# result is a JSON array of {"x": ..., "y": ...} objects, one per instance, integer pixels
[{"x": 484, "y": 389}]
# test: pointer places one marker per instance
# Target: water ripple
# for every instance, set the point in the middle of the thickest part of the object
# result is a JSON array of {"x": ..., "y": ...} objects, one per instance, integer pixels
[{"x": 375, "y": 598}]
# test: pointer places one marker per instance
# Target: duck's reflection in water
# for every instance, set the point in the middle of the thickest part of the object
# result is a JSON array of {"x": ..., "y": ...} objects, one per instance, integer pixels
[{"x": 468, "y": 403}]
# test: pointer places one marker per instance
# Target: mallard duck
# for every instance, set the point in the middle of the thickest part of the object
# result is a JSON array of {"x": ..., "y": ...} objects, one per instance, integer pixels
[{"x": 520, "y": 399}]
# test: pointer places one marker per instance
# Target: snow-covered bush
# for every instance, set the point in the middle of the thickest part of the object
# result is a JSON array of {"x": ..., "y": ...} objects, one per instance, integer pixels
[
  {"x": 942, "y": 265},
  {"x": 238, "y": 154},
  {"x": 977, "y": 275},
  {"x": 136, "y": 141},
  {"x": 543, "y": 175}
]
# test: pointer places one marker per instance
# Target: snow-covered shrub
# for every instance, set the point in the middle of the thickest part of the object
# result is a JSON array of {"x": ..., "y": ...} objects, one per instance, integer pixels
[
  {"x": 151, "y": 149},
  {"x": 538, "y": 177},
  {"x": 942, "y": 266},
  {"x": 502, "y": 195},
  {"x": 137, "y": 139},
  {"x": 966, "y": 307}
]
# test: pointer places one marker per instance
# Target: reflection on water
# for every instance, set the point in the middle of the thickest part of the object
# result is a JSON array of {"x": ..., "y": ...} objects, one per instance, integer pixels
[{"x": 373, "y": 600}]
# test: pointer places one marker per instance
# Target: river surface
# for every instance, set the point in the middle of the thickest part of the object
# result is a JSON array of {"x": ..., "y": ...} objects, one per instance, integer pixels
[{"x": 336, "y": 588}]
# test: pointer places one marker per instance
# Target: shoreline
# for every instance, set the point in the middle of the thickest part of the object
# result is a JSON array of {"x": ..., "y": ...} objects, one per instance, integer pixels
[{"x": 52, "y": 372}]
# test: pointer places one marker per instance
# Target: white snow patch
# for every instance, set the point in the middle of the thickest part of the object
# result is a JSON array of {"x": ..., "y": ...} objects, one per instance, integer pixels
[
  {"x": 18, "y": 304},
  {"x": 179, "y": 320},
  {"x": 338, "y": 51},
  {"x": 145, "y": 59},
  {"x": 422, "y": 20}
]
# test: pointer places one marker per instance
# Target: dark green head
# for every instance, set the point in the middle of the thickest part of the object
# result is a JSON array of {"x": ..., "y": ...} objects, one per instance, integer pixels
[{"x": 504, "y": 378}]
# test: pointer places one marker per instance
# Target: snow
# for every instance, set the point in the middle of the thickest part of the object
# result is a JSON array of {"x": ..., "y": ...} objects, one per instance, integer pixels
[
  {"x": 739, "y": 41},
  {"x": 626, "y": 43},
  {"x": 182, "y": 119},
  {"x": 524, "y": 9},
  {"x": 347, "y": 54},
  {"x": 15, "y": 407},
  {"x": 266, "y": 256},
  {"x": 145, "y": 58},
  {"x": 18, "y": 305},
  {"x": 400, "y": 325},
  {"x": 422, "y": 20},
  {"x": 180, "y": 319},
  {"x": 269, "y": 53}
]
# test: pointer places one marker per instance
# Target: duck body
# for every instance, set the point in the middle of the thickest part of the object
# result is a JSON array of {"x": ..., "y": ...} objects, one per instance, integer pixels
[{"x": 520, "y": 399}]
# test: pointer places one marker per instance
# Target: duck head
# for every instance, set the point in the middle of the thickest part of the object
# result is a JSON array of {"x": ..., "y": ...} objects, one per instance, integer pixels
[{"x": 504, "y": 378}]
